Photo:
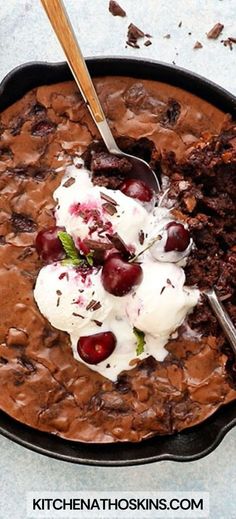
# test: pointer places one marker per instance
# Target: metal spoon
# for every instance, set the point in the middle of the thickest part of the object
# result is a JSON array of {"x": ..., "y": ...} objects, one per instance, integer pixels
[
  {"x": 222, "y": 316},
  {"x": 60, "y": 22}
]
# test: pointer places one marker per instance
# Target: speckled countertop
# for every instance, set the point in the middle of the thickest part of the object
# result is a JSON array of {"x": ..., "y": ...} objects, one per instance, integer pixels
[{"x": 26, "y": 36}]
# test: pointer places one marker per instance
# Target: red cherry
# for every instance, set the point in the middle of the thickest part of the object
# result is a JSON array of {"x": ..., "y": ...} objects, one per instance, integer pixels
[
  {"x": 178, "y": 238},
  {"x": 49, "y": 246},
  {"x": 136, "y": 189},
  {"x": 119, "y": 276},
  {"x": 96, "y": 348}
]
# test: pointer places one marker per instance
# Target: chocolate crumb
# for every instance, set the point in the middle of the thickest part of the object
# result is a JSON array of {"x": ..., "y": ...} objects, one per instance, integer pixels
[
  {"x": 215, "y": 32},
  {"x": 229, "y": 42},
  {"x": 198, "y": 45},
  {"x": 180, "y": 24},
  {"x": 147, "y": 43},
  {"x": 167, "y": 36},
  {"x": 115, "y": 9}
]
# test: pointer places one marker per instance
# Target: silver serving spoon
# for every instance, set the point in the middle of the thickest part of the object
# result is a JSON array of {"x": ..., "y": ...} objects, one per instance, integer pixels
[
  {"x": 60, "y": 22},
  {"x": 222, "y": 316}
]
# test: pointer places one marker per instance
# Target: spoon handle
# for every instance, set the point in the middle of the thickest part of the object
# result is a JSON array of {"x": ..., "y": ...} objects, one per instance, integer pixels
[
  {"x": 222, "y": 317},
  {"x": 62, "y": 27}
]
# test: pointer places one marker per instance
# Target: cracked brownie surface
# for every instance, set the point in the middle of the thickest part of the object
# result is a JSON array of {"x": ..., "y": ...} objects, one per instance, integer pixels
[{"x": 41, "y": 383}]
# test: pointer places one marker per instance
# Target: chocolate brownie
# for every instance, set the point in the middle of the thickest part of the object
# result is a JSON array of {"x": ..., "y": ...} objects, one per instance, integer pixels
[{"x": 42, "y": 385}]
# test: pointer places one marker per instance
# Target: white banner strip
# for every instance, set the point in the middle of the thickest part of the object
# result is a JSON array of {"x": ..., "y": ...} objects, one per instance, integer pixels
[{"x": 117, "y": 505}]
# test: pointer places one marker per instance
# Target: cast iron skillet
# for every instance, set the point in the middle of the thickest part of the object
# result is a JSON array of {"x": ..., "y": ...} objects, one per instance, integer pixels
[{"x": 190, "y": 444}]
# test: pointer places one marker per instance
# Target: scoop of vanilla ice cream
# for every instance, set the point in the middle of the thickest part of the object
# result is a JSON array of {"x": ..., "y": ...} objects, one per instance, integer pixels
[
  {"x": 81, "y": 209},
  {"x": 72, "y": 299},
  {"x": 161, "y": 302}
]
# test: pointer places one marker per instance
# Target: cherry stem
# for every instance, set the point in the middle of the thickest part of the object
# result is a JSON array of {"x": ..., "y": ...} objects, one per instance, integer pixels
[{"x": 158, "y": 238}]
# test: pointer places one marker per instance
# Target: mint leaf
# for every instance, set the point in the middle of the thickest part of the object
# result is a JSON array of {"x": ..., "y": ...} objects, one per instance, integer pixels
[
  {"x": 89, "y": 258},
  {"x": 73, "y": 257},
  {"x": 140, "y": 337}
]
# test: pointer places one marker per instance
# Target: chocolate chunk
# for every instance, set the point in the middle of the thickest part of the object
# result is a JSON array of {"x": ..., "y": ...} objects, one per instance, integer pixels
[
  {"x": 116, "y": 9},
  {"x": 133, "y": 35},
  {"x": 198, "y": 45},
  {"x": 22, "y": 223},
  {"x": 42, "y": 128},
  {"x": 215, "y": 32},
  {"x": 119, "y": 244},
  {"x": 172, "y": 113}
]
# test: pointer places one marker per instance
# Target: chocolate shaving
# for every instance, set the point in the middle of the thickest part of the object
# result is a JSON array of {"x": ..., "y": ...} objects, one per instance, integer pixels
[
  {"x": 97, "y": 245},
  {"x": 215, "y": 32},
  {"x": 118, "y": 243},
  {"x": 98, "y": 323},
  {"x": 108, "y": 198},
  {"x": 147, "y": 43},
  {"x": 198, "y": 45},
  {"x": 78, "y": 315},
  {"x": 180, "y": 24},
  {"x": 167, "y": 36},
  {"x": 115, "y": 9},
  {"x": 109, "y": 208},
  {"x": 141, "y": 237},
  {"x": 69, "y": 182},
  {"x": 93, "y": 305},
  {"x": 162, "y": 290}
]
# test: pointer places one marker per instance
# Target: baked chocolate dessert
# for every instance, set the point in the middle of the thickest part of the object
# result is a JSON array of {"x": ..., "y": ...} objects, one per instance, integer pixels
[{"x": 192, "y": 146}]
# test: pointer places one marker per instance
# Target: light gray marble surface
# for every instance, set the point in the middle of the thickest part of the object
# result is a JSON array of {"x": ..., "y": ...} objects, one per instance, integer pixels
[{"x": 26, "y": 36}]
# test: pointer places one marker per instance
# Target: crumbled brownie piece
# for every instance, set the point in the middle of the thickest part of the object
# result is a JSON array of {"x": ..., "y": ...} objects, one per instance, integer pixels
[
  {"x": 106, "y": 163},
  {"x": 116, "y": 9},
  {"x": 215, "y": 32},
  {"x": 198, "y": 45},
  {"x": 133, "y": 35}
]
